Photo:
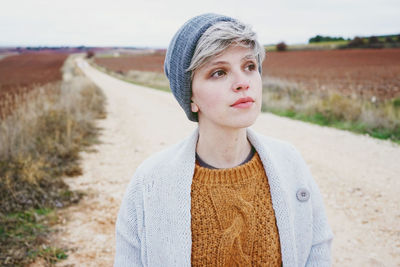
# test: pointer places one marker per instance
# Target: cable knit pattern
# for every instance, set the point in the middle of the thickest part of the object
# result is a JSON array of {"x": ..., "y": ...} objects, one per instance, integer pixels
[
  {"x": 154, "y": 222},
  {"x": 233, "y": 222}
]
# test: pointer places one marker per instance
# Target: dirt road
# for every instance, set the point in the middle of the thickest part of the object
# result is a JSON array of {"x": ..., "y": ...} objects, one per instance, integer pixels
[{"x": 358, "y": 176}]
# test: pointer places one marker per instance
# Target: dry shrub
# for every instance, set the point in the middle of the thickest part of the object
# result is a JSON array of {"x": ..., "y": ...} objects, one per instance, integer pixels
[
  {"x": 381, "y": 115},
  {"x": 89, "y": 54},
  {"x": 356, "y": 42},
  {"x": 280, "y": 95},
  {"x": 338, "y": 107},
  {"x": 389, "y": 39},
  {"x": 281, "y": 46},
  {"x": 373, "y": 40},
  {"x": 41, "y": 140}
]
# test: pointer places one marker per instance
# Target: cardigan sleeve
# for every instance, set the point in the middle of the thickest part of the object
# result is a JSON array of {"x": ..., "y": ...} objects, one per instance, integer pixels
[
  {"x": 128, "y": 241},
  {"x": 322, "y": 235}
]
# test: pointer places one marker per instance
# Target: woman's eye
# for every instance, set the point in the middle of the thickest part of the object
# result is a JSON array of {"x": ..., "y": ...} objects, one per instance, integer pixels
[
  {"x": 218, "y": 73},
  {"x": 251, "y": 66}
]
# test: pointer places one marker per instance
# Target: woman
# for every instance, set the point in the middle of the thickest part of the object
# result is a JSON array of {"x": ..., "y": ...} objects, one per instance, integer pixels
[{"x": 226, "y": 195}]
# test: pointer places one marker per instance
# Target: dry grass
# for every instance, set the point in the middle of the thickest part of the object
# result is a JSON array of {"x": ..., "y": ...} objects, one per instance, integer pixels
[
  {"x": 151, "y": 79},
  {"x": 39, "y": 143},
  {"x": 380, "y": 118},
  {"x": 147, "y": 78}
]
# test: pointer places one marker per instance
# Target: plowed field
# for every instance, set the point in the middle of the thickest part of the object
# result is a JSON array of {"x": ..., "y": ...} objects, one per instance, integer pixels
[
  {"x": 21, "y": 73},
  {"x": 146, "y": 62},
  {"x": 30, "y": 69}
]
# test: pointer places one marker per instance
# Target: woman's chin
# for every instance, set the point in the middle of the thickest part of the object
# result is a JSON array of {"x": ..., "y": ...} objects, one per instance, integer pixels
[
  {"x": 237, "y": 121},
  {"x": 243, "y": 122}
]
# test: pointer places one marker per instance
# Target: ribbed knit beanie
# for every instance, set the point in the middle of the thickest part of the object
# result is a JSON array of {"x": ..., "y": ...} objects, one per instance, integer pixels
[{"x": 179, "y": 55}]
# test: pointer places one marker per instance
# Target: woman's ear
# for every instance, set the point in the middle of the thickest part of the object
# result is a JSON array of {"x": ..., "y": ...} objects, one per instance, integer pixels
[{"x": 193, "y": 106}]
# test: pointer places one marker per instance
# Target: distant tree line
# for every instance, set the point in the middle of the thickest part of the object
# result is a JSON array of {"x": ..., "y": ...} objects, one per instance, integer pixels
[
  {"x": 383, "y": 41},
  {"x": 39, "y": 48},
  {"x": 319, "y": 38},
  {"x": 72, "y": 49},
  {"x": 388, "y": 41}
]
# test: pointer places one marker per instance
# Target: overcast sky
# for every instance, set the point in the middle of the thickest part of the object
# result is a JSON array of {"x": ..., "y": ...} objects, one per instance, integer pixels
[{"x": 152, "y": 23}]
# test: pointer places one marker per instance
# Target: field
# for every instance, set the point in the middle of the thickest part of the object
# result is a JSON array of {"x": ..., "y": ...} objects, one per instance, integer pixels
[
  {"x": 30, "y": 69},
  {"x": 366, "y": 73},
  {"x": 146, "y": 62},
  {"x": 21, "y": 73}
]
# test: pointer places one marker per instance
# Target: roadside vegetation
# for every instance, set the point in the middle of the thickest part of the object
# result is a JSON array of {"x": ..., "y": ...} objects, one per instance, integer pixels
[
  {"x": 151, "y": 79},
  {"x": 140, "y": 69},
  {"x": 40, "y": 139},
  {"x": 377, "y": 118}
]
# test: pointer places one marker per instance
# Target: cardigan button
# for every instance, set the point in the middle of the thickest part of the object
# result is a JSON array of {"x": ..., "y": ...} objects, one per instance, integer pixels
[{"x": 303, "y": 194}]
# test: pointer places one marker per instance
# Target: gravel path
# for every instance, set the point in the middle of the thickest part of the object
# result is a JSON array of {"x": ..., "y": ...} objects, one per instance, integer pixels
[{"x": 357, "y": 175}]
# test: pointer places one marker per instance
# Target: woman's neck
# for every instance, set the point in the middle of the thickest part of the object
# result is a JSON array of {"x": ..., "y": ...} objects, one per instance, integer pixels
[{"x": 223, "y": 147}]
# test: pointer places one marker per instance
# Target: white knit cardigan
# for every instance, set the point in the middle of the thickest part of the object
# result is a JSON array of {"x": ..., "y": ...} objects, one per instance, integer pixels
[{"x": 154, "y": 222}]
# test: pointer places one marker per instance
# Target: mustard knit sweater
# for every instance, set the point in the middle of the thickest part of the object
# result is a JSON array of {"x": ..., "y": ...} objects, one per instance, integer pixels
[{"x": 233, "y": 222}]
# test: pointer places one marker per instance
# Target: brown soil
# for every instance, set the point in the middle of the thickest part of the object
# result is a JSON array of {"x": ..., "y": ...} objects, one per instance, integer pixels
[
  {"x": 21, "y": 73},
  {"x": 146, "y": 62},
  {"x": 30, "y": 69}
]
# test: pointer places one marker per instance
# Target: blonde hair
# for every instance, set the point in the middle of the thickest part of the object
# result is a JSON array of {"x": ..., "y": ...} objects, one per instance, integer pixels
[{"x": 219, "y": 37}]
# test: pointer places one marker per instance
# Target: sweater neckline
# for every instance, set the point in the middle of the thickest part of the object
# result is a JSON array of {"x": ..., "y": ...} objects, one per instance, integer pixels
[
  {"x": 237, "y": 175},
  {"x": 202, "y": 163}
]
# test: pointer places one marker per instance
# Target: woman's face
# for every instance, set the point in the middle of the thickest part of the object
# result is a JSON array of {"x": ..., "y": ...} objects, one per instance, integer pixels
[{"x": 227, "y": 90}]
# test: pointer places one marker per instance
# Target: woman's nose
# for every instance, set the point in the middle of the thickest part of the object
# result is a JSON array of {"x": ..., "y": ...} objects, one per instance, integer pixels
[
  {"x": 240, "y": 81},
  {"x": 241, "y": 85}
]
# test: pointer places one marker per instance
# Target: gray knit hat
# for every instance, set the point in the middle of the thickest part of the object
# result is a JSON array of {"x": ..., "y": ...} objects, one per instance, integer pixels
[{"x": 180, "y": 53}]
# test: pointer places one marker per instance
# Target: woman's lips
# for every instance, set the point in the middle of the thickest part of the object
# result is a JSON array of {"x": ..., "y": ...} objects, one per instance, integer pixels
[{"x": 244, "y": 102}]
